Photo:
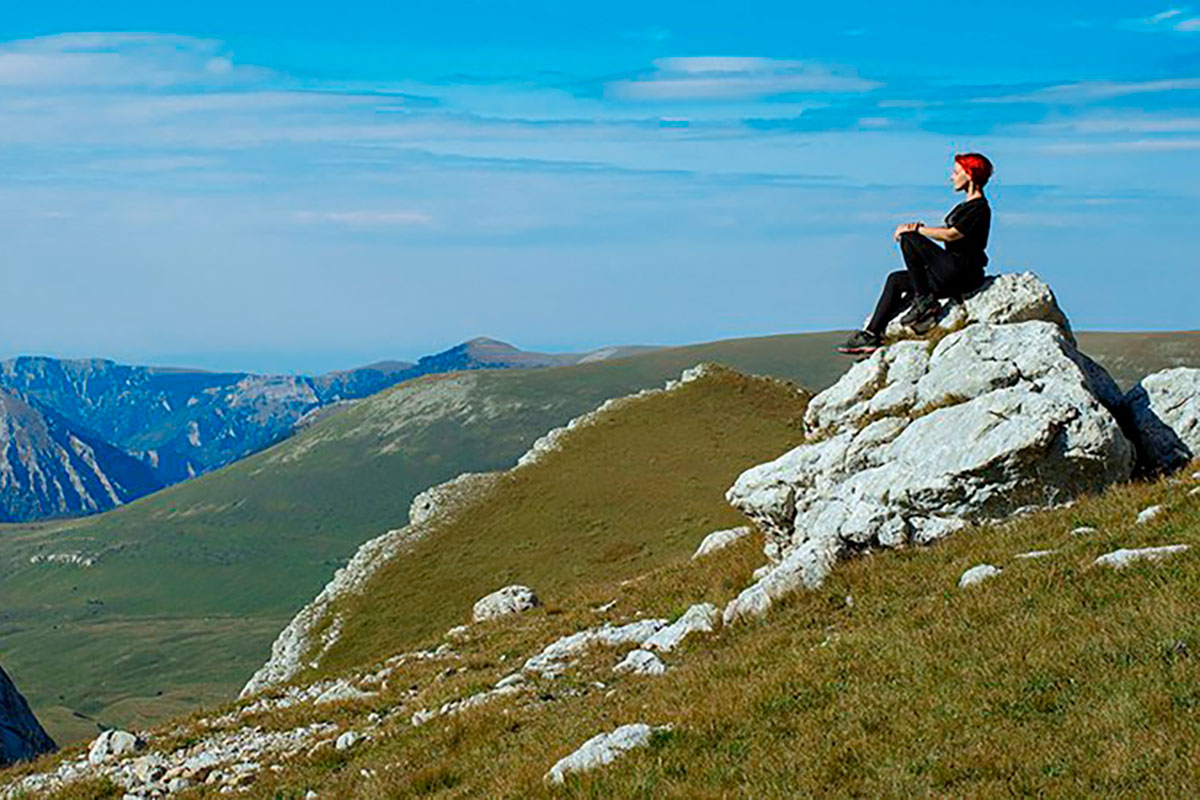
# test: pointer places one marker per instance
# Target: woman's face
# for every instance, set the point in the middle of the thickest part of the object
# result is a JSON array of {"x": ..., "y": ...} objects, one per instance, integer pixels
[{"x": 959, "y": 177}]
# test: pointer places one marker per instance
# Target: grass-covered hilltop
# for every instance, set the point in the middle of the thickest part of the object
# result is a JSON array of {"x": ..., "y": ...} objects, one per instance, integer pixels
[{"x": 1056, "y": 676}]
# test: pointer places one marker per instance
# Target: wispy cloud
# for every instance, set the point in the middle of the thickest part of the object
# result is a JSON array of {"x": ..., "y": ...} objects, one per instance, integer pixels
[
  {"x": 96, "y": 60},
  {"x": 1088, "y": 91},
  {"x": 365, "y": 218},
  {"x": 1172, "y": 19},
  {"x": 734, "y": 78}
]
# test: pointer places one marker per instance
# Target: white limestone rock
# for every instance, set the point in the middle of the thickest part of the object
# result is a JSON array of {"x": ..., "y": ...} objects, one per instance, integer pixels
[
  {"x": 700, "y": 618},
  {"x": 346, "y": 740},
  {"x": 978, "y": 574},
  {"x": 1123, "y": 557},
  {"x": 112, "y": 744},
  {"x": 1083, "y": 530},
  {"x": 995, "y": 420},
  {"x": 602, "y": 749},
  {"x": 641, "y": 662},
  {"x": 718, "y": 540},
  {"x": 1148, "y": 515},
  {"x": 1003, "y": 299},
  {"x": 1164, "y": 409},
  {"x": 551, "y": 662},
  {"x": 1035, "y": 554},
  {"x": 509, "y": 600}
]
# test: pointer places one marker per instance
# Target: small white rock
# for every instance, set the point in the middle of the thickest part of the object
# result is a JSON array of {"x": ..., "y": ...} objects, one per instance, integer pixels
[
  {"x": 509, "y": 600},
  {"x": 601, "y": 749},
  {"x": 700, "y": 618},
  {"x": 977, "y": 574},
  {"x": 1194, "y": 492},
  {"x": 1123, "y": 557},
  {"x": 510, "y": 680},
  {"x": 1083, "y": 530},
  {"x": 458, "y": 632},
  {"x": 641, "y": 662},
  {"x": 112, "y": 744},
  {"x": 718, "y": 540},
  {"x": 346, "y": 740},
  {"x": 1035, "y": 554},
  {"x": 1149, "y": 514}
]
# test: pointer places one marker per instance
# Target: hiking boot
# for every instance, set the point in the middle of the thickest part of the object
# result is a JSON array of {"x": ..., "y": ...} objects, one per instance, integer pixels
[
  {"x": 861, "y": 342},
  {"x": 924, "y": 309}
]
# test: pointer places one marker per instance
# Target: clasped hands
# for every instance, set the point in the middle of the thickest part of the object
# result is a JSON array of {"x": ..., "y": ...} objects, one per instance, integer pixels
[{"x": 905, "y": 228}]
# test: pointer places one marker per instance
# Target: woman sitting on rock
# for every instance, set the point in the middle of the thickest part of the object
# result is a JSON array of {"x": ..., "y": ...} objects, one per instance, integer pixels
[{"x": 931, "y": 272}]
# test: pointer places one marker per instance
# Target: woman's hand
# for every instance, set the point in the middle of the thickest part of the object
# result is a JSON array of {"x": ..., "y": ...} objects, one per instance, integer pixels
[{"x": 905, "y": 228}]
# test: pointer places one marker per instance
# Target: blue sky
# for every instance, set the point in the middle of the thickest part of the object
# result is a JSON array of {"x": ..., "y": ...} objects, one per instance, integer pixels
[{"x": 304, "y": 187}]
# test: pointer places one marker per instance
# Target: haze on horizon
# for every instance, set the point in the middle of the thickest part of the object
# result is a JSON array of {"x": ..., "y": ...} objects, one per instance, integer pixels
[{"x": 279, "y": 187}]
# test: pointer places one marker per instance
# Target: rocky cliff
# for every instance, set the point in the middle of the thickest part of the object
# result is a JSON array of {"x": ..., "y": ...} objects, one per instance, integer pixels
[{"x": 21, "y": 736}]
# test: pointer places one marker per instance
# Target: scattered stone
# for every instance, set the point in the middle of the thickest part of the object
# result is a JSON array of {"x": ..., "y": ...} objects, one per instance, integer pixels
[
  {"x": 1150, "y": 514},
  {"x": 1165, "y": 411},
  {"x": 602, "y": 749},
  {"x": 342, "y": 691},
  {"x": 1083, "y": 530},
  {"x": 509, "y": 600},
  {"x": 805, "y": 567},
  {"x": 606, "y": 607},
  {"x": 641, "y": 662},
  {"x": 718, "y": 540},
  {"x": 458, "y": 632},
  {"x": 112, "y": 744},
  {"x": 346, "y": 741},
  {"x": 510, "y": 680},
  {"x": 1194, "y": 492},
  {"x": 1035, "y": 554},
  {"x": 178, "y": 784},
  {"x": 422, "y": 716},
  {"x": 761, "y": 572},
  {"x": 551, "y": 662},
  {"x": 1121, "y": 558},
  {"x": 977, "y": 574},
  {"x": 700, "y": 618}
]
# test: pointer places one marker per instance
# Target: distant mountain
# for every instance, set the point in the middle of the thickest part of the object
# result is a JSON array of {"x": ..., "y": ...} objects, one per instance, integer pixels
[
  {"x": 185, "y": 422},
  {"x": 50, "y": 467}
]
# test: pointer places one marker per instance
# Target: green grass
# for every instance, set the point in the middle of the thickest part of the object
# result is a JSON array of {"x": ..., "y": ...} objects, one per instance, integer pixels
[
  {"x": 1055, "y": 678},
  {"x": 196, "y": 580}
]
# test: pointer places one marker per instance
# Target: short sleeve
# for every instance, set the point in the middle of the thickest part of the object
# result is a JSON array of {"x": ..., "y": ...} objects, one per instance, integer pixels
[{"x": 970, "y": 220}]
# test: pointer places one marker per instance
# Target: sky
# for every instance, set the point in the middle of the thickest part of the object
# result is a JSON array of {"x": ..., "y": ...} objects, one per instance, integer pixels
[{"x": 301, "y": 186}]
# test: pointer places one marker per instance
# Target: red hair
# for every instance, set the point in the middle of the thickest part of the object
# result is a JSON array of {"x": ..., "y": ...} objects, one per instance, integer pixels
[{"x": 976, "y": 165}]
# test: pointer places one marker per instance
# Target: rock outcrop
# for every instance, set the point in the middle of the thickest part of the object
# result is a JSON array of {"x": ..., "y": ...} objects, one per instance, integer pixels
[
  {"x": 21, "y": 735},
  {"x": 1001, "y": 300},
  {"x": 1164, "y": 414},
  {"x": 921, "y": 439}
]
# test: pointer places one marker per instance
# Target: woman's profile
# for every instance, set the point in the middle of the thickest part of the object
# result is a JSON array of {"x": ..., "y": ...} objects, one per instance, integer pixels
[{"x": 931, "y": 272}]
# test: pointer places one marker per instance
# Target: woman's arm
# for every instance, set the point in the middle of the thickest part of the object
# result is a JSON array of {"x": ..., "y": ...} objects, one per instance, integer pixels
[{"x": 941, "y": 234}]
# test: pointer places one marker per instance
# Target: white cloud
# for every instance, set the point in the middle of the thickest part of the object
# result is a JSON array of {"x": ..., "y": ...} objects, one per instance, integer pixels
[
  {"x": 1085, "y": 91},
  {"x": 117, "y": 60},
  {"x": 733, "y": 78},
  {"x": 1138, "y": 145},
  {"x": 365, "y": 218},
  {"x": 1171, "y": 19},
  {"x": 1111, "y": 123}
]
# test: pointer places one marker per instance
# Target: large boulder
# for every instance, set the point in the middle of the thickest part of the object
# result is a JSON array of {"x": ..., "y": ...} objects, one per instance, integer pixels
[
  {"x": 1001, "y": 300},
  {"x": 919, "y": 440},
  {"x": 509, "y": 600},
  {"x": 1164, "y": 415},
  {"x": 21, "y": 735}
]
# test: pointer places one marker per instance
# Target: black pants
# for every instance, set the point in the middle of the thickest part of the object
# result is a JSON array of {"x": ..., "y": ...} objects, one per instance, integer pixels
[{"x": 929, "y": 269}]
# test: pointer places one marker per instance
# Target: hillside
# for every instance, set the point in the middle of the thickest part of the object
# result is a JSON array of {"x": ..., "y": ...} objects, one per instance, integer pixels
[
  {"x": 1057, "y": 677},
  {"x": 196, "y": 581}
]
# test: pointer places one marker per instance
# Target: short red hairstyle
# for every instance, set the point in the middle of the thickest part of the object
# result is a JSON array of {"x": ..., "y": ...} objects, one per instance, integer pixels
[{"x": 976, "y": 165}]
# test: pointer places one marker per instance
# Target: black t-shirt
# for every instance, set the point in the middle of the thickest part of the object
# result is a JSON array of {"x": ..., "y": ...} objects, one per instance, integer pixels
[{"x": 971, "y": 218}]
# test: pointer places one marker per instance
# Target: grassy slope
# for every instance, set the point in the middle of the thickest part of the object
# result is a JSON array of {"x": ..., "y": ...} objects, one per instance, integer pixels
[{"x": 211, "y": 569}]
